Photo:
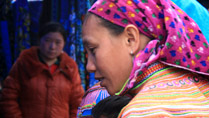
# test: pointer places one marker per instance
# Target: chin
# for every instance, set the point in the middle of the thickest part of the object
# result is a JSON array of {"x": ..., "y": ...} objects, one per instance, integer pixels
[
  {"x": 111, "y": 92},
  {"x": 52, "y": 57}
]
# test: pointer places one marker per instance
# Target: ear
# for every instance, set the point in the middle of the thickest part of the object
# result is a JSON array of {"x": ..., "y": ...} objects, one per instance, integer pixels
[{"x": 132, "y": 38}]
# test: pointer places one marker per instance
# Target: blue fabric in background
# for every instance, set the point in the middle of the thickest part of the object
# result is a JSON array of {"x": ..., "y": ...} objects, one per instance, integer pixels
[
  {"x": 197, "y": 12},
  {"x": 25, "y": 24},
  {"x": 92, "y": 80},
  {"x": 22, "y": 27},
  {"x": 35, "y": 12},
  {"x": 5, "y": 43}
]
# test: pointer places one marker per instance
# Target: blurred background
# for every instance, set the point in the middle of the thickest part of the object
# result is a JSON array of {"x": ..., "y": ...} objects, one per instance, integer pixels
[{"x": 20, "y": 21}]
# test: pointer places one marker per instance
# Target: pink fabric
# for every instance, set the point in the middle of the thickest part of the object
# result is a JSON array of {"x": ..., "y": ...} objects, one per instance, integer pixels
[{"x": 176, "y": 38}]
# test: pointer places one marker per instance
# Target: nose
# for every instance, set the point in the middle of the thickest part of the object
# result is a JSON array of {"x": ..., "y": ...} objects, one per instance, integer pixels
[
  {"x": 90, "y": 65},
  {"x": 52, "y": 45}
]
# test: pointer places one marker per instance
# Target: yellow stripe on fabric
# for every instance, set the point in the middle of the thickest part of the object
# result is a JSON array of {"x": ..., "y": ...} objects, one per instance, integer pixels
[
  {"x": 122, "y": 87},
  {"x": 202, "y": 107},
  {"x": 171, "y": 99},
  {"x": 205, "y": 89},
  {"x": 160, "y": 112},
  {"x": 169, "y": 96},
  {"x": 206, "y": 92},
  {"x": 182, "y": 101}
]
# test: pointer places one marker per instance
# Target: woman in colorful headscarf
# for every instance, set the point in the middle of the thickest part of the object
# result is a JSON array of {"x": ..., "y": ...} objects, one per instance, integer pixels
[{"x": 151, "y": 51}]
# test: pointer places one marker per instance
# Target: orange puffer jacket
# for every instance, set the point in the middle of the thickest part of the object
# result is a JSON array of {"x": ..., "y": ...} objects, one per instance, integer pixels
[{"x": 31, "y": 91}]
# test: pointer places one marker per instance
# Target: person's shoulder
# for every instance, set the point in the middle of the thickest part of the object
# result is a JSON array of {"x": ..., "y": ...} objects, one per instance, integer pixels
[
  {"x": 94, "y": 89},
  {"x": 92, "y": 96},
  {"x": 95, "y": 94},
  {"x": 29, "y": 52}
]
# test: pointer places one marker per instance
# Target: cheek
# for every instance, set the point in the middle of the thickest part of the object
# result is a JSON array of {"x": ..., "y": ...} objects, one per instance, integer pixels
[
  {"x": 118, "y": 83},
  {"x": 44, "y": 45},
  {"x": 60, "y": 47},
  {"x": 104, "y": 65},
  {"x": 119, "y": 71},
  {"x": 43, "y": 48}
]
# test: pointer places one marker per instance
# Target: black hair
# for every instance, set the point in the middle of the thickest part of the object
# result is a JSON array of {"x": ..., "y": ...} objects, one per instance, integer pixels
[
  {"x": 110, "y": 107},
  {"x": 204, "y": 3},
  {"x": 114, "y": 29},
  {"x": 52, "y": 27}
]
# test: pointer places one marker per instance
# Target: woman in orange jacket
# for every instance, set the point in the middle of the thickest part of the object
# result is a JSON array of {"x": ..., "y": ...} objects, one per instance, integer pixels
[{"x": 44, "y": 81}]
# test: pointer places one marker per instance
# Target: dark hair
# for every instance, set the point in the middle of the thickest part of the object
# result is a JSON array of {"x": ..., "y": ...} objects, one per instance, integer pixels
[
  {"x": 52, "y": 27},
  {"x": 110, "y": 106},
  {"x": 204, "y": 3},
  {"x": 114, "y": 29}
]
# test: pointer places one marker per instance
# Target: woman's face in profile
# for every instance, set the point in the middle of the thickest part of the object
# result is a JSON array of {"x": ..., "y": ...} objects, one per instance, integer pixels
[
  {"x": 51, "y": 45},
  {"x": 108, "y": 55}
]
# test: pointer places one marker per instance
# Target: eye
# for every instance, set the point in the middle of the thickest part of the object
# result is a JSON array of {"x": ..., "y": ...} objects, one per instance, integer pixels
[
  {"x": 47, "y": 40},
  {"x": 58, "y": 42},
  {"x": 92, "y": 50}
]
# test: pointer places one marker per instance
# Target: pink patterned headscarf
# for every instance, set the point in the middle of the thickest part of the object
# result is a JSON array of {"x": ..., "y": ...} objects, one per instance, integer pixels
[{"x": 176, "y": 38}]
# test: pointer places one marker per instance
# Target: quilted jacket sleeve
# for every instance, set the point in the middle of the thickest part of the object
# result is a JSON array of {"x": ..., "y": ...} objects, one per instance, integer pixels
[
  {"x": 77, "y": 94},
  {"x": 10, "y": 93}
]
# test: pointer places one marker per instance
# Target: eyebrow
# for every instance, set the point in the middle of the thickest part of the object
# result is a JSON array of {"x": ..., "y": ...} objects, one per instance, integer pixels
[
  {"x": 88, "y": 42},
  {"x": 85, "y": 42}
]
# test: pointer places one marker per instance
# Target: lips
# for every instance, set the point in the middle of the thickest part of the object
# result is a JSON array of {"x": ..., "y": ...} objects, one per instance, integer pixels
[
  {"x": 52, "y": 53},
  {"x": 100, "y": 79},
  {"x": 102, "y": 83}
]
